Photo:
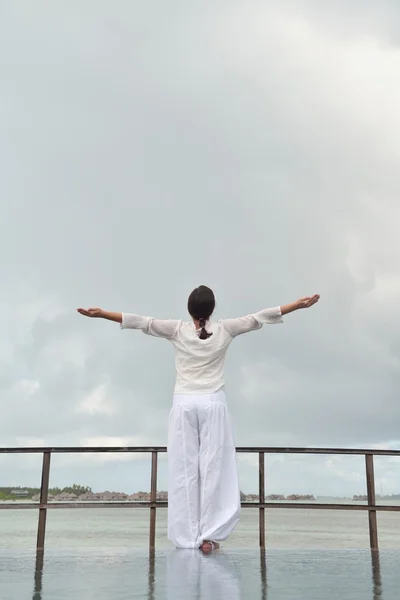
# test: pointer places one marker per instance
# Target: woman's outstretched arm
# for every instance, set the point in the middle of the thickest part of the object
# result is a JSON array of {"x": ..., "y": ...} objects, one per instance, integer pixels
[
  {"x": 155, "y": 327},
  {"x": 301, "y": 303},
  {"x": 268, "y": 316},
  {"x": 99, "y": 313}
]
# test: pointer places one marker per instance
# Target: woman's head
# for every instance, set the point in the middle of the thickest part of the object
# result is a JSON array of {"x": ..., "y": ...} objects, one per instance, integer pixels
[{"x": 201, "y": 306}]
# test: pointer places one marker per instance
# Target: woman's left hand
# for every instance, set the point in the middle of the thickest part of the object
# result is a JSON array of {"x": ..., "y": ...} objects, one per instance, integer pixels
[{"x": 307, "y": 301}]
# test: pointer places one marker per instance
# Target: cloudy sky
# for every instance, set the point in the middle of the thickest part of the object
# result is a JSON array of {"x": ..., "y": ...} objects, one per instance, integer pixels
[{"x": 149, "y": 147}]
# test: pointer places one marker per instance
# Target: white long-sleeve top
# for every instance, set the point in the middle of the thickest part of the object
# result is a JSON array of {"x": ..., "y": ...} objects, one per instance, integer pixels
[{"x": 200, "y": 363}]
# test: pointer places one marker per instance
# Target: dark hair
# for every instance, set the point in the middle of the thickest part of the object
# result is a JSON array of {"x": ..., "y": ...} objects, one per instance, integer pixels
[{"x": 201, "y": 306}]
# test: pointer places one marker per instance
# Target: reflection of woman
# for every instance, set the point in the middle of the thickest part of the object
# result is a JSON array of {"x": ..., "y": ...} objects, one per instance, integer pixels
[
  {"x": 192, "y": 575},
  {"x": 203, "y": 490}
]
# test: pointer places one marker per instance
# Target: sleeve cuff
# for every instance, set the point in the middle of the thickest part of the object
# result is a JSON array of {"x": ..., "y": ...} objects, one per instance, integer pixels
[
  {"x": 130, "y": 321},
  {"x": 269, "y": 316}
]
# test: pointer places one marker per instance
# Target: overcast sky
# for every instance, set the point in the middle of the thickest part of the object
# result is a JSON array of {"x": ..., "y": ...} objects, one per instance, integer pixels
[{"x": 149, "y": 147}]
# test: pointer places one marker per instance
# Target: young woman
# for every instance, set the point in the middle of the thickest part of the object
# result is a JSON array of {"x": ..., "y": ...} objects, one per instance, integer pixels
[{"x": 203, "y": 488}]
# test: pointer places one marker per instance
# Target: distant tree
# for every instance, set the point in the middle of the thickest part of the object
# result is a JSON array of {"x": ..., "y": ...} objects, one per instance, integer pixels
[{"x": 77, "y": 489}]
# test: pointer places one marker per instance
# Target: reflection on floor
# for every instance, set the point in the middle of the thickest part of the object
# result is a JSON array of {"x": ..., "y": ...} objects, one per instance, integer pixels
[{"x": 190, "y": 574}]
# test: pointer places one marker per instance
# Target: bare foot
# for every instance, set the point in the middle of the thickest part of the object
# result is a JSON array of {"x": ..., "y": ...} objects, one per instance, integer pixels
[{"x": 207, "y": 547}]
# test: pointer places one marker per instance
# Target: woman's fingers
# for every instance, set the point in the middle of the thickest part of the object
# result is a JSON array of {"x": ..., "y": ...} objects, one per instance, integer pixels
[
  {"x": 89, "y": 312},
  {"x": 313, "y": 300}
]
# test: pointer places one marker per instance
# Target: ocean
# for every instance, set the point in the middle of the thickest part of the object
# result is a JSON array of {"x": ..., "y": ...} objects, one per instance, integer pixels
[{"x": 102, "y": 553}]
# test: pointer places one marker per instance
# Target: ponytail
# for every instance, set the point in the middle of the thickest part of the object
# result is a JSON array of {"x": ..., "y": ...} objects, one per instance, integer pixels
[{"x": 204, "y": 335}]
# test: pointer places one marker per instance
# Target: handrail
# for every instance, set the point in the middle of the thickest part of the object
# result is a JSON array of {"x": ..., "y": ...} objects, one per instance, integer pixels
[
  {"x": 153, "y": 504},
  {"x": 240, "y": 449}
]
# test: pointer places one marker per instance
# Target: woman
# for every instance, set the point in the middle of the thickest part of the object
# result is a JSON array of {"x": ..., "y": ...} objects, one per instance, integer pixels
[{"x": 203, "y": 489}]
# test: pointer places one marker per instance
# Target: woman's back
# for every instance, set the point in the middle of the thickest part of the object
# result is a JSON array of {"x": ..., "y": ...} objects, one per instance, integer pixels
[{"x": 200, "y": 362}]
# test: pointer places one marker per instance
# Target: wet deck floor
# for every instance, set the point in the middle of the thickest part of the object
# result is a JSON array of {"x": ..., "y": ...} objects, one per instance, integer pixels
[{"x": 123, "y": 574}]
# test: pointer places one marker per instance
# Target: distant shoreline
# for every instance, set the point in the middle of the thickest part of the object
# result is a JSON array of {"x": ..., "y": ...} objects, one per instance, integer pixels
[
  {"x": 84, "y": 494},
  {"x": 164, "y": 498}
]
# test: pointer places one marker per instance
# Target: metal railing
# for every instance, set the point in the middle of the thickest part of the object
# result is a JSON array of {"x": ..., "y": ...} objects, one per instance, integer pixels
[{"x": 153, "y": 504}]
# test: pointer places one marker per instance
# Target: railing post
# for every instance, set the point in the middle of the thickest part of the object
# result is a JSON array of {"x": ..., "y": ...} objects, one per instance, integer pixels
[
  {"x": 153, "y": 500},
  {"x": 261, "y": 497},
  {"x": 373, "y": 527},
  {"x": 44, "y": 492}
]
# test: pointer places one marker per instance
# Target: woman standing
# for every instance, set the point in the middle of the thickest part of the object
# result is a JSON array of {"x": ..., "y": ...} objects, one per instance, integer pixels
[{"x": 203, "y": 488}]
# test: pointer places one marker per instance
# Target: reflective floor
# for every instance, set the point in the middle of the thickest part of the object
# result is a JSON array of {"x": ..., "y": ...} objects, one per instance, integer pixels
[{"x": 185, "y": 574}]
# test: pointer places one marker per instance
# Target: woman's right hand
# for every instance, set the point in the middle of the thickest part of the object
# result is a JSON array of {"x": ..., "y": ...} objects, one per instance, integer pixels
[{"x": 94, "y": 313}]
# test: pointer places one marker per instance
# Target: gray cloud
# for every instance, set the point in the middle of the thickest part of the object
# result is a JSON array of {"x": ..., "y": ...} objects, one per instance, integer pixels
[{"x": 146, "y": 149}]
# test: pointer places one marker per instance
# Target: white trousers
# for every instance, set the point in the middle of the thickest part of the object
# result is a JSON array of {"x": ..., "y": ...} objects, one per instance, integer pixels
[{"x": 203, "y": 487}]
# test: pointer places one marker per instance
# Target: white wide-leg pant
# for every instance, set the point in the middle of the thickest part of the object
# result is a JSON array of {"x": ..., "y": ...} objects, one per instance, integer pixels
[{"x": 203, "y": 487}]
